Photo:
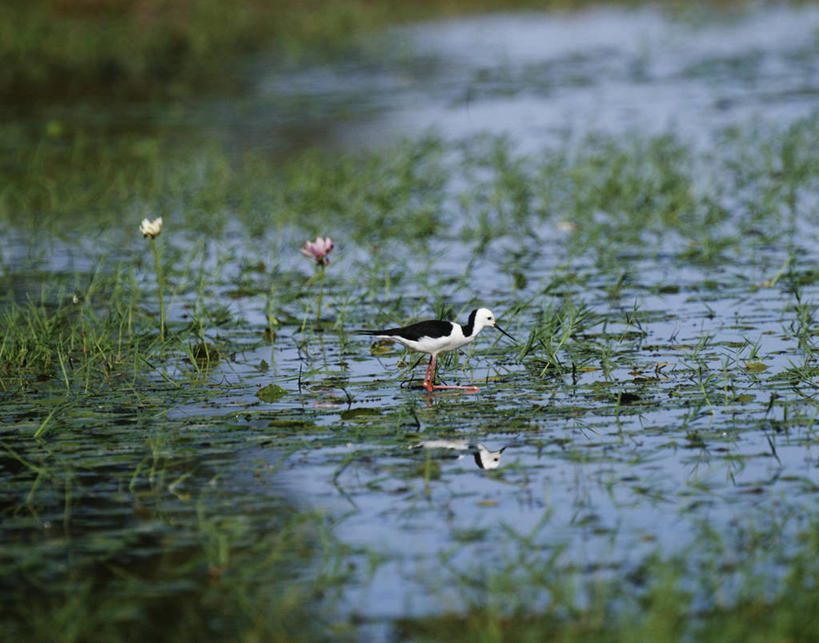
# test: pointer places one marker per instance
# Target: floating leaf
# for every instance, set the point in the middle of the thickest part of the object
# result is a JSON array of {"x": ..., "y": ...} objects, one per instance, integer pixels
[
  {"x": 360, "y": 412},
  {"x": 271, "y": 393},
  {"x": 755, "y": 367},
  {"x": 381, "y": 347},
  {"x": 669, "y": 289},
  {"x": 245, "y": 291},
  {"x": 629, "y": 398}
]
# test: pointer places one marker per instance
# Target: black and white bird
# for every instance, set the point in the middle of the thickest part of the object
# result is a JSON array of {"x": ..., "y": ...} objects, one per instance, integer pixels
[{"x": 436, "y": 336}]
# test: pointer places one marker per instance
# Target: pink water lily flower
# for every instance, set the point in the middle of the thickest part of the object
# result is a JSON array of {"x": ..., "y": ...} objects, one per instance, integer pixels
[{"x": 318, "y": 249}]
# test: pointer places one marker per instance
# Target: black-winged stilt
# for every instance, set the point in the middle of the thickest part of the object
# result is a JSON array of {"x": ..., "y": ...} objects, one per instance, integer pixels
[{"x": 436, "y": 336}]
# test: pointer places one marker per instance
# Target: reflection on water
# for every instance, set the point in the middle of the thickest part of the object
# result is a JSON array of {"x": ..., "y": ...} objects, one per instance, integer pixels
[
  {"x": 541, "y": 78},
  {"x": 484, "y": 458}
]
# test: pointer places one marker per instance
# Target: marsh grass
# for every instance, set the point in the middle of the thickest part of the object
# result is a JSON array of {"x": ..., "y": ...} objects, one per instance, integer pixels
[
  {"x": 190, "y": 573},
  {"x": 654, "y": 607},
  {"x": 638, "y": 346}
]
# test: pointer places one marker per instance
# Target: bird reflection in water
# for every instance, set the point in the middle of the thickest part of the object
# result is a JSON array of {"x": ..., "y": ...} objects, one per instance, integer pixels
[{"x": 484, "y": 458}]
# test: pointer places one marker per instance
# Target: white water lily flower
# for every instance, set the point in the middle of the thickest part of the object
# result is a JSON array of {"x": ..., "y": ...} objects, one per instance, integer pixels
[{"x": 151, "y": 228}]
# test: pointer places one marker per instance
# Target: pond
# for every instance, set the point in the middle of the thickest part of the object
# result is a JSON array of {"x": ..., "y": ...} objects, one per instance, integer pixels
[{"x": 634, "y": 195}]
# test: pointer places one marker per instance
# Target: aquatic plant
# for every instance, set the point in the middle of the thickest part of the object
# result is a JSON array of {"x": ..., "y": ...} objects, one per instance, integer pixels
[
  {"x": 651, "y": 383},
  {"x": 318, "y": 250},
  {"x": 150, "y": 230}
]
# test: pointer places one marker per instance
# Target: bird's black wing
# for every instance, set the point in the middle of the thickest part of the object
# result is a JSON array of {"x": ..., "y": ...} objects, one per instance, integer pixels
[{"x": 414, "y": 332}]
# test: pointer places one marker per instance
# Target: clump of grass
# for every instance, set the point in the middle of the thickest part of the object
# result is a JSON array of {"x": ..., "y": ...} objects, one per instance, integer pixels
[
  {"x": 557, "y": 331},
  {"x": 86, "y": 338},
  {"x": 52, "y": 180},
  {"x": 67, "y": 341}
]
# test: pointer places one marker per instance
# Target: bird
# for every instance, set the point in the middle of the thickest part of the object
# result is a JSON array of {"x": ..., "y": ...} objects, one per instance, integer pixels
[{"x": 435, "y": 336}]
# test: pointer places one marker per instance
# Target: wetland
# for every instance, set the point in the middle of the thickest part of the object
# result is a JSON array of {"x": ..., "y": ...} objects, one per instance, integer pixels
[{"x": 633, "y": 191}]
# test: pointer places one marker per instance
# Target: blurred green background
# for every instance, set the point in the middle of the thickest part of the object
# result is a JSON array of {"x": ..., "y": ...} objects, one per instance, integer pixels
[{"x": 57, "y": 49}]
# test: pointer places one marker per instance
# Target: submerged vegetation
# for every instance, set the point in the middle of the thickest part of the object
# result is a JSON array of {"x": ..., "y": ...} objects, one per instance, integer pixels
[{"x": 195, "y": 446}]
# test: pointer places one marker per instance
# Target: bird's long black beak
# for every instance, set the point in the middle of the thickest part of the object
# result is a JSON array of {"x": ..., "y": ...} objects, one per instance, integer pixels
[{"x": 505, "y": 333}]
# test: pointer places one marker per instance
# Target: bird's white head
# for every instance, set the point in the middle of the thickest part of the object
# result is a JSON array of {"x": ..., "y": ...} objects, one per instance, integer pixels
[{"x": 483, "y": 318}]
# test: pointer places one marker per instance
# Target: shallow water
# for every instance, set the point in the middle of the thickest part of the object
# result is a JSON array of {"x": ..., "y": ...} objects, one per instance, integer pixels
[
  {"x": 662, "y": 429},
  {"x": 604, "y": 484},
  {"x": 545, "y": 78}
]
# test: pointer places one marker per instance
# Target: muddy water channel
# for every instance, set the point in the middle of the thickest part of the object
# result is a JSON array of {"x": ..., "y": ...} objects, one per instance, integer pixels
[{"x": 636, "y": 197}]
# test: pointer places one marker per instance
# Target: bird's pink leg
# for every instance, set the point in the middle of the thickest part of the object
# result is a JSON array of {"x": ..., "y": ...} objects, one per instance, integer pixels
[
  {"x": 465, "y": 389},
  {"x": 430, "y": 377},
  {"x": 430, "y": 374}
]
